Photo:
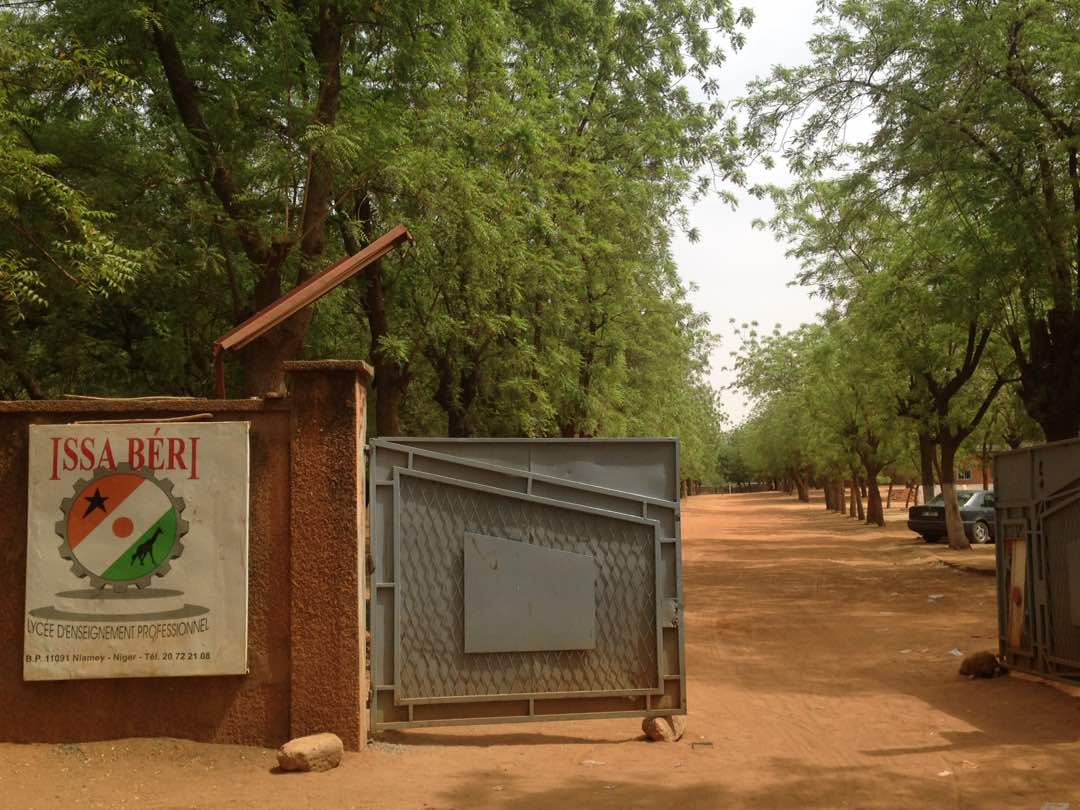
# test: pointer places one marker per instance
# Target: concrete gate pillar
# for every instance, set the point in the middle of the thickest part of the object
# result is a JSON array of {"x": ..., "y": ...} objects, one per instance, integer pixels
[{"x": 328, "y": 686}]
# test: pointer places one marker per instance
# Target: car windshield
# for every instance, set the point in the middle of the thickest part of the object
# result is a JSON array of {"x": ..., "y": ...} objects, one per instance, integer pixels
[{"x": 961, "y": 499}]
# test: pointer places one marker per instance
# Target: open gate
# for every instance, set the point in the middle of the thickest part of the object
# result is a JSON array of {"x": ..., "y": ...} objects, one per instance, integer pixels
[
  {"x": 1038, "y": 558},
  {"x": 519, "y": 580}
]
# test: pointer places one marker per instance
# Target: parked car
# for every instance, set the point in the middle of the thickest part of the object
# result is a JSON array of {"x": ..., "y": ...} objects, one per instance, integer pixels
[{"x": 976, "y": 510}]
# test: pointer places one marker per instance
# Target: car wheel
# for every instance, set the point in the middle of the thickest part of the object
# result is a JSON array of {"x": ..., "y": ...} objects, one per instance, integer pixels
[{"x": 980, "y": 532}]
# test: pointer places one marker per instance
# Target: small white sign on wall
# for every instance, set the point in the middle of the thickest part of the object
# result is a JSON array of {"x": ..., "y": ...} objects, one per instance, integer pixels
[{"x": 137, "y": 550}]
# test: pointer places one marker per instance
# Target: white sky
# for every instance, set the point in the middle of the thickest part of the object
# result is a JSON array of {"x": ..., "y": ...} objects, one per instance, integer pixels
[{"x": 741, "y": 272}]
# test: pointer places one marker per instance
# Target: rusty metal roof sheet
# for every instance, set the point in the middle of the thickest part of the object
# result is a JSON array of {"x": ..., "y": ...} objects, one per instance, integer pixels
[{"x": 301, "y": 296}]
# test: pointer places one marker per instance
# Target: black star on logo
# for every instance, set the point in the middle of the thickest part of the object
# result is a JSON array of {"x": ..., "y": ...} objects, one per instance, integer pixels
[{"x": 97, "y": 501}]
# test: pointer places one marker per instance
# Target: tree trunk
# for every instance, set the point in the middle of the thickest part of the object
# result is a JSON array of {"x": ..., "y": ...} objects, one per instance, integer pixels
[
  {"x": 13, "y": 357},
  {"x": 874, "y": 514},
  {"x": 854, "y": 510},
  {"x": 829, "y": 504},
  {"x": 954, "y": 525},
  {"x": 469, "y": 386},
  {"x": 391, "y": 385},
  {"x": 456, "y": 427},
  {"x": 327, "y": 41},
  {"x": 856, "y": 492},
  {"x": 888, "y": 494},
  {"x": 262, "y": 360},
  {"x": 837, "y": 496},
  {"x": 801, "y": 488},
  {"x": 911, "y": 494},
  {"x": 455, "y": 394},
  {"x": 391, "y": 378},
  {"x": 926, "y": 465}
]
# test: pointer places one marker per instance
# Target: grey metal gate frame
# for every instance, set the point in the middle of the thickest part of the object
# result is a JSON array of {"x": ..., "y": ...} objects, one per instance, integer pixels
[
  {"x": 630, "y": 465},
  {"x": 394, "y": 461},
  {"x": 1038, "y": 501}
]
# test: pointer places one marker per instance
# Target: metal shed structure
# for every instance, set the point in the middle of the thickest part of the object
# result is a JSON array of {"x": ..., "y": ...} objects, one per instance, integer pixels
[{"x": 524, "y": 579}]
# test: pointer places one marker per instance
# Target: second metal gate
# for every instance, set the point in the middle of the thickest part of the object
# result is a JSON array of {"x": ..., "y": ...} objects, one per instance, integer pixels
[{"x": 1038, "y": 513}]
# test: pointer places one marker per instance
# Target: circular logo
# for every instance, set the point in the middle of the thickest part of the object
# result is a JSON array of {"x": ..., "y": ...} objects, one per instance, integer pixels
[{"x": 121, "y": 527}]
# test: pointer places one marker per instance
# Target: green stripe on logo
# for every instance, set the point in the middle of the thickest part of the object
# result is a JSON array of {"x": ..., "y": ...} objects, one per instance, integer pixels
[{"x": 147, "y": 553}]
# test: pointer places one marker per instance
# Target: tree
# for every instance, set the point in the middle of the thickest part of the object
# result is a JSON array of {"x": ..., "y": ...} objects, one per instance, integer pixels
[
  {"x": 734, "y": 463},
  {"x": 528, "y": 301},
  {"x": 902, "y": 273},
  {"x": 774, "y": 369},
  {"x": 58, "y": 251},
  {"x": 976, "y": 100},
  {"x": 541, "y": 154}
]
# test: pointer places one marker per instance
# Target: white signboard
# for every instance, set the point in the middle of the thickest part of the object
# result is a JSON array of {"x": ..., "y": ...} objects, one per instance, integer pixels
[{"x": 137, "y": 550}]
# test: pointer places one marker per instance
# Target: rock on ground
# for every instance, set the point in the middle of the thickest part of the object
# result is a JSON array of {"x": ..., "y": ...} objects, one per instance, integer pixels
[
  {"x": 664, "y": 729},
  {"x": 982, "y": 664},
  {"x": 316, "y": 752}
]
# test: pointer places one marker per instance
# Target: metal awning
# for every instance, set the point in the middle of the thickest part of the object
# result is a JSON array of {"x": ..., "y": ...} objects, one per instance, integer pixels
[{"x": 301, "y": 296}]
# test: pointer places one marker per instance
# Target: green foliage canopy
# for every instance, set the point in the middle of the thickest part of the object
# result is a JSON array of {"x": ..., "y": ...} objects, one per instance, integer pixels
[{"x": 202, "y": 159}]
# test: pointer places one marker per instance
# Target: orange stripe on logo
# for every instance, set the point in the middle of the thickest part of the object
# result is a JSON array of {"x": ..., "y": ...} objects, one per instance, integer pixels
[{"x": 113, "y": 490}]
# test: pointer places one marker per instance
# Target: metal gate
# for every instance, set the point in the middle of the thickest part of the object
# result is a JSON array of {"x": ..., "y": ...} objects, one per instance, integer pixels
[
  {"x": 519, "y": 580},
  {"x": 1038, "y": 513}
]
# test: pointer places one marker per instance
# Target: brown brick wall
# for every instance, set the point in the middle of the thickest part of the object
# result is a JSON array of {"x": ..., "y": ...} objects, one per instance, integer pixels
[{"x": 305, "y": 620}]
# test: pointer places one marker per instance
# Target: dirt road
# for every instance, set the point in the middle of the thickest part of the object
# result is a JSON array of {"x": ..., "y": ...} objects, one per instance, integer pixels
[{"x": 820, "y": 672}]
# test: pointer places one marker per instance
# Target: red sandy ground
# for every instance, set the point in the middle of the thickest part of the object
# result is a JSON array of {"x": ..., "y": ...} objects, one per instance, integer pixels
[{"x": 820, "y": 672}]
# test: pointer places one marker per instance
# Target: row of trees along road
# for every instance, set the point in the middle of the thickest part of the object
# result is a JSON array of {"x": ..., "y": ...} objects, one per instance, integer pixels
[
  {"x": 168, "y": 168},
  {"x": 945, "y": 246}
]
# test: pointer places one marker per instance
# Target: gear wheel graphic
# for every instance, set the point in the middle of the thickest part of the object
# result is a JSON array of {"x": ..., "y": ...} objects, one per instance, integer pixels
[{"x": 119, "y": 576}]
